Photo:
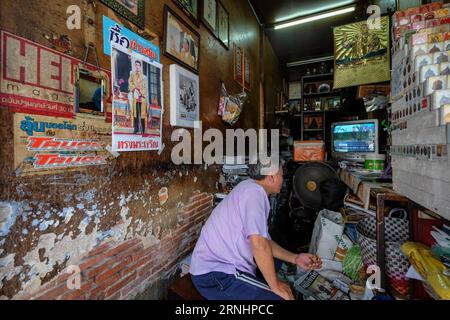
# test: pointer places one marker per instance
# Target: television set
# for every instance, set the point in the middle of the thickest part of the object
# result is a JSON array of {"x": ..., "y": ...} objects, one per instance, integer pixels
[{"x": 354, "y": 140}]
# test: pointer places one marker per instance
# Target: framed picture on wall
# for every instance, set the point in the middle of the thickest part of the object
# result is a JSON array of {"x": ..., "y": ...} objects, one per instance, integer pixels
[
  {"x": 181, "y": 42},
  {"x": 247, "y": 71},
  {"x": 223, "y": 25},
  {"x": 209, "y": 15},
  {"x": 190, "y": 8},
  {"x": 132, "y": 10},
  {"x": 238, "y": 56},
  {"x": 184, "y": 97}
]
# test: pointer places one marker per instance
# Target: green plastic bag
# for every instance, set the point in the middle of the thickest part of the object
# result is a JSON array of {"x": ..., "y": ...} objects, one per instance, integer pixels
[{"x": 353, "y": 263}]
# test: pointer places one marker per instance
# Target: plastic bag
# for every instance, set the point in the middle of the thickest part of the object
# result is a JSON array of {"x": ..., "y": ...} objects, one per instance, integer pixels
[
  {"x": 230, "y": 107},
  {"x": 430, "y": 268},
  {"x": 353, "y": 264},
  {"x": 327, "y": 234}
]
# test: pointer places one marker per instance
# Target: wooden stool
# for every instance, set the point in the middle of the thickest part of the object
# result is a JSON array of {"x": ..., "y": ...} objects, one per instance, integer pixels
[{"x": 183, "y": 289}]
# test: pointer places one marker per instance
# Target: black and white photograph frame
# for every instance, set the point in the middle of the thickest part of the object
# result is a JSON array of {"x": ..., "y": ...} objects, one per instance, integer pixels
[
  {"x": 223, "y": 25},
  {"x": 184, "y": 98},
  {"x": 209, "y": 15}
]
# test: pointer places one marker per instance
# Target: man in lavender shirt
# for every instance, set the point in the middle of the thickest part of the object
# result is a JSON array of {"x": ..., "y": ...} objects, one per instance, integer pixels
[{"x": 235, "y": 241}]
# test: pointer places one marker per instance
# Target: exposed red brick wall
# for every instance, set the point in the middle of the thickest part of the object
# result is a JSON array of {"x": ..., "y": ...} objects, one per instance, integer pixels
[{"x": 122, "y": 270}]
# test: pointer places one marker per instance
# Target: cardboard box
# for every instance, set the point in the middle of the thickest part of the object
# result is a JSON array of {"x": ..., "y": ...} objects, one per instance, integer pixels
[{"x": 309, "y": 151}]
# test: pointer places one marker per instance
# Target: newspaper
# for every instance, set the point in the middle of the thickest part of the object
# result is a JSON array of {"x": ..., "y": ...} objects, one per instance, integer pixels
[{"x": 315, "y": 287}]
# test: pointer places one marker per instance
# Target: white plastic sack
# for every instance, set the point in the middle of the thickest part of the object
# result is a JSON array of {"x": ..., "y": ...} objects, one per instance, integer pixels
[{"x": 327, "y": 234}]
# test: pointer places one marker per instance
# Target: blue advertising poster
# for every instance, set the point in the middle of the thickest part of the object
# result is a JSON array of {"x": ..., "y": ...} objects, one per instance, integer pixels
[{"x": 114, "y": 33}]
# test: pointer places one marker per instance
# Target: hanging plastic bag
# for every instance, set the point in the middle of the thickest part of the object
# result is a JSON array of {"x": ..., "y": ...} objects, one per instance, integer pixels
[{"x": 230, "y": 107}]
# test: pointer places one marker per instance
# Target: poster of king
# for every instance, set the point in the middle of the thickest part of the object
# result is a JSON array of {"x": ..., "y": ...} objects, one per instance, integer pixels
[
  {"x": 137, "y": 101},
  {"x": 361, "y": 53}
]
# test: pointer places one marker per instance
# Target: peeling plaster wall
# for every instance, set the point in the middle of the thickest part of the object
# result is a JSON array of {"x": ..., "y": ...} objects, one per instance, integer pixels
[
  {"x": 48, "y": 223},
  {"x": 42, "y": 235}
]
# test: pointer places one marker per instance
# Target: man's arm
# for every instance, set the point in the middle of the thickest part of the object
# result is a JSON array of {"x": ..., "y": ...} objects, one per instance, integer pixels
[
  {"x": 281, "y": 253},
  {"x": 305, "y": 260},
  {"x": 262, "y": 251}
]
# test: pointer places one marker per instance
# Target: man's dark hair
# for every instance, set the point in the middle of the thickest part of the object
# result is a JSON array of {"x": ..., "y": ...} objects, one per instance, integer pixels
[{"x": 138, "y": 62}]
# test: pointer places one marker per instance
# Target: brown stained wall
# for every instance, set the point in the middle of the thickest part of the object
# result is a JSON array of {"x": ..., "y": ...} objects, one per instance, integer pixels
[
  {"x": 273, "y": 83},
  {"x": 119, "y": 201}
]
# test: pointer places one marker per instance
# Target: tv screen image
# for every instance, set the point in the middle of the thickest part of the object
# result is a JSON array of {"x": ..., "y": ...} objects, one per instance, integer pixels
[{"x": 355, "y": 138}]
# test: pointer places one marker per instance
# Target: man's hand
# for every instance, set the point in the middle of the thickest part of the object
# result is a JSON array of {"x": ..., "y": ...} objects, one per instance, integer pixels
[
  {"x": 283, "y": 290},
  {"x": 308, "y": 261}
]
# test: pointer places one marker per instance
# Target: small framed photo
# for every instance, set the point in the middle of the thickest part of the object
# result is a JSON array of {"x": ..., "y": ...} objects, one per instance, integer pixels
[
  {"x": 181, "y": 42},
  {"x": 238, "y": 57},
  {"x": 190, "y": 8},
  {"x": 209, "y": 15},
  {"x": 247, "y": 72},
  {"x": 132, "y": 10},
  {"x": 184, "y": 98},
  {"x": 223, "y": 25}
]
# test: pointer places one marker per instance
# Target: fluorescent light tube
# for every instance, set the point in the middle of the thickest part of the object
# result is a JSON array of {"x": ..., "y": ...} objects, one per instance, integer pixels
[{"x": 314, "y": 18}]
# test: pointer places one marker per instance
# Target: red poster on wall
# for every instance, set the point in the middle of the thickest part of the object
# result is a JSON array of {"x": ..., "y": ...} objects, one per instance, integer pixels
[{"x": 35, "y": 79}]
